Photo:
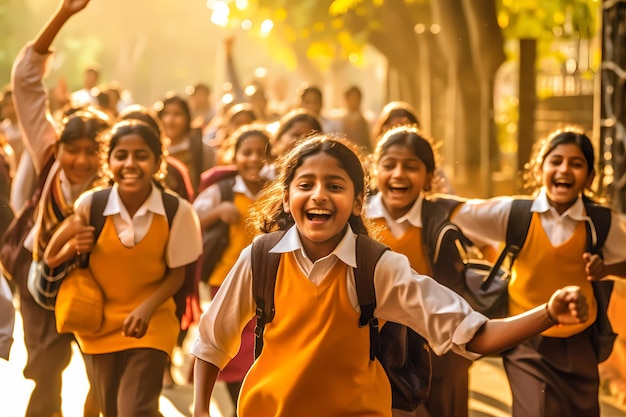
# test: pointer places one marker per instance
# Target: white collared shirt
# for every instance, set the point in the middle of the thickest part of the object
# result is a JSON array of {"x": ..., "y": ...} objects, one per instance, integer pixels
[
  {"x": 185, "y": 241},
  {"x": 397, "y": 227},
  {"x": 210, "y": 197},
  {"x": 488, "y": 218},
  {"x": 402, "y": 295}
]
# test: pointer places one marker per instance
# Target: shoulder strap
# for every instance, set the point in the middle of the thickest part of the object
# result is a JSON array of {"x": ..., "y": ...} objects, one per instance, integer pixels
[
  {"x": 264, "y": 270},
  {"x": 518, "y": 223},
  {"x": 516, "y": 231},
  {"x": 226, "y": 188},
  {"x": 601, "y": 219},
  {"x": 96, "y": 219},
  {"x": 368, "y": 252},
  {"x": 436, "y": 211},
  {"x": 170, "y": 203}
]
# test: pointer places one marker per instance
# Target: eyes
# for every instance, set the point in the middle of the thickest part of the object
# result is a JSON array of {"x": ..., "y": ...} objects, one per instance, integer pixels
[
  {"x": 307, "y": 185},
  {"x": 141, "y": 155},
  {"x": 575, "y": 163},
  {"x": 75, "y": 150},
  {"x": 410, "y": 166}
]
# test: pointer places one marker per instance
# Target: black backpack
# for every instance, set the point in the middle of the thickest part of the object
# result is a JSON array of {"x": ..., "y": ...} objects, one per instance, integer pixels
[
  {"x": 458, "y": 264},
  {"x": 216, "y": 237},
  {"x": 404, "y": 354},
  {"x": 602, "y": 334}
]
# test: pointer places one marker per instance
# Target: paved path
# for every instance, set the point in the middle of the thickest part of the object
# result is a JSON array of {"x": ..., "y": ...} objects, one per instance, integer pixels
[{"x": 490, "y": 396}]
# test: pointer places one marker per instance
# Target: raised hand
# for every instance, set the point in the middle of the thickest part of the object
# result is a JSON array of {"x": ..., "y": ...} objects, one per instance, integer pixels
[{"x": 73, "y": 6}]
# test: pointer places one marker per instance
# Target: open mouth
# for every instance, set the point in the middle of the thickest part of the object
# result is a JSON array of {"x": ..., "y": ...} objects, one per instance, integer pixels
[
  {"x": 318, "y": 214},
  {"x": 563, "y": 185},
  {"x": 398, "y": 188}
]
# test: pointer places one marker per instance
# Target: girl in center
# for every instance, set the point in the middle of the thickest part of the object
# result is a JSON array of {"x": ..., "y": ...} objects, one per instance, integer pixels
[
  {"x": 139, "y": 262},
  {"x": 318, "y": 199}
]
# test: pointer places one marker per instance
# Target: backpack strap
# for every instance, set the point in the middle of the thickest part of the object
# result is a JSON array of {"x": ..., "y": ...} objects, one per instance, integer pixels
[
  {"x": 435, "y": 212},
  {"x": 226, "y": 188},
  {"x": 368, "y": 252},
  {"x": 516, "y": 231},
  {"x": 170, "y": 203},
  {"x": 98, "y": 203},
  {"x": 601, "y": 220},
  {"x": 264, "y": 270}
]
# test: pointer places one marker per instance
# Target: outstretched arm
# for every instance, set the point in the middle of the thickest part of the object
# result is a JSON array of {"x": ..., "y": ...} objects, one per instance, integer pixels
[
  {"x": 566, "y": 306},
  {"x": 65, "y": 10}
]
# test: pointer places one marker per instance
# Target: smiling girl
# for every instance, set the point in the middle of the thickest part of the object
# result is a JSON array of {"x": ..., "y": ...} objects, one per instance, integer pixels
[
  {"x": 317, "y": 199},
  {"x": 405, "y": 169},
  {"x": 65, "y": 155},
  {"x": 139, "y": 261},
  {"x": 554, "y": 373}
]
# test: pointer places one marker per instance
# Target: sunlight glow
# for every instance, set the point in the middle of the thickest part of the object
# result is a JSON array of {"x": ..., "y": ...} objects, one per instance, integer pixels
[
  {"x": 220, "y": 13},
  {"x": 266, "y": 27}
]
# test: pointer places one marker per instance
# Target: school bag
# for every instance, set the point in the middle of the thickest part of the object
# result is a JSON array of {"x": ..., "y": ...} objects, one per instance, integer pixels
[
  {"x": 403, "y": 353},
  {"x": 458, "y": 264},
  {"x": 215, "y": 238},
  {"x": 46, "y": 288},
  {"x": 602, "y": 334},
  {"x": 15, "y": 259}
]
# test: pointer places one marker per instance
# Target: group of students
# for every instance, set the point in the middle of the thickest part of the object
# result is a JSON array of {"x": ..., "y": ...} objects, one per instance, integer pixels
[{"x": 315, "y": 186}]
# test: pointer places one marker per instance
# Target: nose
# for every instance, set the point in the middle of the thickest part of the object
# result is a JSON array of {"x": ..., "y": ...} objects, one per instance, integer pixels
[
  {"x": 398, "y": 171},
  {"x": 319, "y": 194},
  {"x": 82, "y": 158}
]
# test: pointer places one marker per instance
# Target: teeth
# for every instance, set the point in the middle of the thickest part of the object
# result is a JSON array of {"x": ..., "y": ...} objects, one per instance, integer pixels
[{"x": 319, "y": 212}]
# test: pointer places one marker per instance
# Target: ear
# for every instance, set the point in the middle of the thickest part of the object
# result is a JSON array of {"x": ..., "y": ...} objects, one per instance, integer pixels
[
  {"x": 428, "y": 182},
  {"x": 286, "y": 208},
  {"x": 358, "y": 205}
]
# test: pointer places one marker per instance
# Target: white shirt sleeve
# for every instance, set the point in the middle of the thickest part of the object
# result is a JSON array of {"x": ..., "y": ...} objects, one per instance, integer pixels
[
  {"x": 31, "y": 108},
  {"x": 185, "y": 242},
  {"x": 441, "y": 316}
]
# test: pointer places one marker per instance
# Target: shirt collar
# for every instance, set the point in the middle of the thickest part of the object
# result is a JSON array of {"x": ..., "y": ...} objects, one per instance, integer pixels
[
  {"x": 542, "y": 205},
  {"x": 241, "y": 187},
  {"x": 154, "y": 203},
  {"x": 376, "y": 210},
  {"x": 345, "y": 250}
]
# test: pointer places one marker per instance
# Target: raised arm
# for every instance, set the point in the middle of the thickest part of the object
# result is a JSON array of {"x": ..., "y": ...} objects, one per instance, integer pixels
[
  {"x": 65, "y": 10},
  {"x": 29, "y": 95}
]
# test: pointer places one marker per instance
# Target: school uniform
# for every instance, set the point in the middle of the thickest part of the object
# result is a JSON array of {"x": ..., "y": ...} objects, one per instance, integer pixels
[
  {"x": 239, "y": 237},
  {"x": 450, "y": 379},
  {"x": 314, "y": 343},
  {"x": 554, "y": 373},
  {"x": 126, "y": 283},
  {"x": 48, "y": 352}
]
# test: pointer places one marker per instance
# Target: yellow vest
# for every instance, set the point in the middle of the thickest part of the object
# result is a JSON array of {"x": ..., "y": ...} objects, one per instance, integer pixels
[
  {"x": 238, "y": 237},
  {"x": 540, "y": 269},
  {"x": 127, "y": 277},
  {"x": 315, "y": 359},
  {"x": 410, "y": 245}
]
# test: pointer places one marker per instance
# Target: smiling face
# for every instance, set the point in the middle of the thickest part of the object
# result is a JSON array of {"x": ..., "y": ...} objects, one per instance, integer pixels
[
  {"x": 250, "y": 158},
  {"x": 175, "y": 121},
  {"x": 79, "y": 159},
  {"x": 401, "y": 177},
  {"x": 321, "y": 198},
  {"x": 133, "y": 165},
  {"x": 565, "y": 174}
]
